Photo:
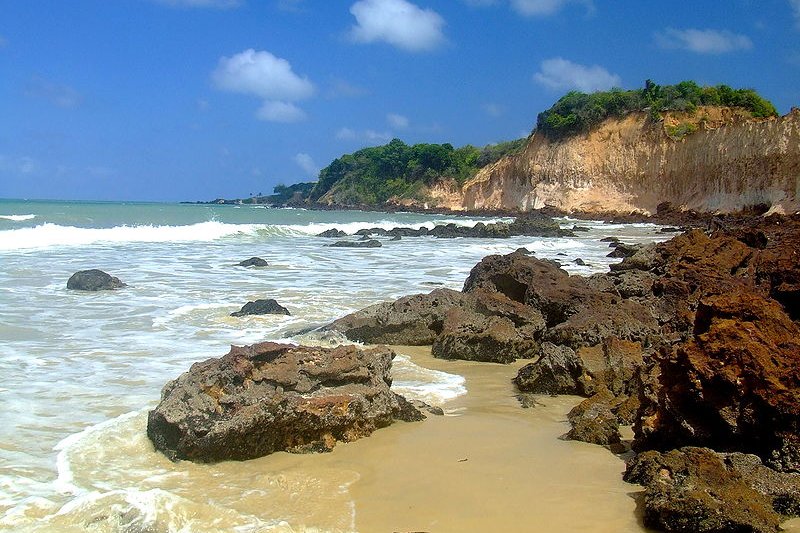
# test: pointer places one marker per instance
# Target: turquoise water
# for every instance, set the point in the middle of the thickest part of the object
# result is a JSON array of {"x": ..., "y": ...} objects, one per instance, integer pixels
[{"x": 81, "y": 369}]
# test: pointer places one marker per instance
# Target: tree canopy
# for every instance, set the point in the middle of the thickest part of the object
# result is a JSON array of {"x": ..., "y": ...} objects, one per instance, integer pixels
[{"x": 577, "y": 112}]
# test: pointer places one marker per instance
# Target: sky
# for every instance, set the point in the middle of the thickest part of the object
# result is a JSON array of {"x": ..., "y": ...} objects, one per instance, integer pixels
[{"x": 184, "y": 100}]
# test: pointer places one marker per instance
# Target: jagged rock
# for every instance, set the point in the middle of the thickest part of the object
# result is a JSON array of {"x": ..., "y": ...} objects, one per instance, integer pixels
[
  {"x": 266, "y": 306},
  {"x": 698, "y": 490},
  {"x": 594, "y": 421},
  {"x": 580, "y": 228},
  {"x": 412, "y": 320},
  {"x": 271, "y": 397},
  {"x": 370, "y": 243},
  {"x": 579, "y": 262},
  {"x": 333, "y": 232},
  {"x": 735, "y": 385},
  {"x": 93, "y": 280},
  {"x": 610, "y": 239},
  {"x": 624, "y": 250},
  {"x": 644, "y": 258},
  {"x": 632, "y": 283},
  {"x": 253, "y": 262},
  {"x": 612, "y": 364}
]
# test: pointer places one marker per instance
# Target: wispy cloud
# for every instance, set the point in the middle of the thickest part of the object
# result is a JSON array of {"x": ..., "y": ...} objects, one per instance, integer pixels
[
  {"x": 57, "y": 94},
  {"x": 340, "y": 88},
  {"x": 3, "y": 41},
  {"x": 533, "y": 8},
  {"x": 703, "y": 41},
  {"x": 19, "y": 165},
  {"x": 493, "y": 110},
  {"x": 795, "y": 5},
  {"x": 368, "y": 135},
  {"x": 559, "y": 73},
  {"x": 397, "y": 121},
  {"x": 217, "y": 4},
  {"x": 268, "y": 77},
  {"x": 397, "y": 22},
  {"x": 308, "y": 165}
]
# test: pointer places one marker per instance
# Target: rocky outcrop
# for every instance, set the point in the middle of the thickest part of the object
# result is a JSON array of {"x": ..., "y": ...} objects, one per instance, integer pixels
[
  {"x": 266, "y": 306},
  {"x": 93, "y": 280},
  {"x": 253, "y": 262},
  {"x": 631, "y": 164},
  {"x": 369, "y": 243},
  {"x": 698, "y": 490},
  {"x": 735, "y": 385},
  {"x": 270, "y": 397},
  {"x": 594, "y": 420}
]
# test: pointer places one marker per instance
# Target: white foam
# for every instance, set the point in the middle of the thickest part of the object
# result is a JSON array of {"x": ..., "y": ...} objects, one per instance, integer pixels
[
  {"x": 65, "y": 481},
  {"x": 432, "y": 386},
  {"x": 353, "y": 227},
  {"x": 18, "y": 218},
  {"x": 49, "y": 235}
]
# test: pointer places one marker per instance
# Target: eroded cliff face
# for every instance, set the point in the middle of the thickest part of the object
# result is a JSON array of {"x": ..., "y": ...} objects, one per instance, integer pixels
[{"x": 632, "y": 164}]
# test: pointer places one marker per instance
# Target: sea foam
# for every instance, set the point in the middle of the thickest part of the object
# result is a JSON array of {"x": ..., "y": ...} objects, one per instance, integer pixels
[{"x": 18, "y": 218}]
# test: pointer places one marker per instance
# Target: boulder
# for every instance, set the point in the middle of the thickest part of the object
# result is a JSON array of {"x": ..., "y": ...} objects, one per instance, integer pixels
[
  {"x": 612, "y": 365},
  {"x": 370, "y": 243},
  {"x": 733, "y": 386},
  {"x": 93, "y": 280},
  {"x": 262, "y": 307},
  {"x": 271, "y": 397},
  {"x": 253, "y": 262},
  {"x": 594, "y": 421},
  {"x": 412, "y": 320},
  {"x": 623, "y": 250},
  {"x": 333, "y": 232},
  {"x": 698, "y": 490}
]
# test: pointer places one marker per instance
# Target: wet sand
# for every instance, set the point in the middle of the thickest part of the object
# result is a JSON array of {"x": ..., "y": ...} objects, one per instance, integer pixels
[{"x": 488, "y": 465}]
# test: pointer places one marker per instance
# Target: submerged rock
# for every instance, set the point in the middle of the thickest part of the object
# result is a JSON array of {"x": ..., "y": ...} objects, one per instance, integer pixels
[
  {"x": 271, "y": 397},
  {"x": 370, "y": 243},
  {"x": 262, "y": 307},
  {"x": 253, "y": 262},
  {"x": 333, "y": 232},
  {"x": 698, "y": 490},
  {"x": 93, "y": 280}
]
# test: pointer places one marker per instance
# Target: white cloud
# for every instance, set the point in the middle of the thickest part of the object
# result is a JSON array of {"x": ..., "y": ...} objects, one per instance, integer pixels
[
  {"x": 397, "y": 22},
  {"x": 346, "y": 134},
  {"x": 558, "y": 73},
  {"x": 219, "y": 4},
  {"x": 397, "y": 121},
  {"x": 59, "y": 95},
  {"x": 795, "y": 5},
  {"x": 268, "y": 77},
  {"x": 305, "y": 162},
  {"x": 703, "y": 41},
  {"x": 480, "y": 3},
  {"x": 277, "y": 111},
  {"x": 493, "y": 110},
  {"x": 378, "y": 136},
  {"x": 532, "y": 8}
]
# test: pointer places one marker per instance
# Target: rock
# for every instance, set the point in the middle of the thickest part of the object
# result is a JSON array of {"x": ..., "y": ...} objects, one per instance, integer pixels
[
  {"x": 632, "y": 283},
  {"x": 576, "y": 314},
  {"x": 611, "y": 365},
  {"x": 93, "y": 280},
  {"x": 698, "y": 490},
  {"x": 644, "y": 258},
  {"x": 408, "y": 232},
  {"x": 371, "y": 243},
  {"x": 580, "y": 228},
  {"x": 579, "y": 262},
  {"x": 610, "y": 239},
  {"x": 262, "y": 307},
  {"x": 333, "y": 232},
  {"x": 412, "y": 320},
  {"x": 593, "y": 421},
  {"x": 253, "y": 262},
  {"x": 271, "y": 397},
  {"x": 670, "y": 230},
  {"x": 733, "y": 386},
  {"x": 624, "y": 250},
  {"x": 396, "y": 238}
]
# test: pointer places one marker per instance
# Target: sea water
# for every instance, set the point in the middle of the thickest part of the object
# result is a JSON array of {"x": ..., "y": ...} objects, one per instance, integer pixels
[{"x": 79, "y": 371}]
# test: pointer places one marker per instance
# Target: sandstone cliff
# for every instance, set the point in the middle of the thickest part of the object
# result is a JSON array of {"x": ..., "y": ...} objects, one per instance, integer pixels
[{"x": 633, "y": 164}]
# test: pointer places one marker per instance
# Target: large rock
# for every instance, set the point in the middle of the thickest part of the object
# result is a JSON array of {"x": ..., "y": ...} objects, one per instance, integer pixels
[
  {"x": 594, "y": 421},
  {"x": 267, "y": 306},
  {"x": 698, "y": 490},
  {"x": 269, "y": 397},
  {"x": 576, "y": 313},
  {"x": 412, "y": 320},
  {"x": 253, "y": 262},
  {"x": 611, "y": 365},
  {"x": 735, "y": 385},
  {"x": 369, "y": 243},
  {"x": 93, "y": 280}
]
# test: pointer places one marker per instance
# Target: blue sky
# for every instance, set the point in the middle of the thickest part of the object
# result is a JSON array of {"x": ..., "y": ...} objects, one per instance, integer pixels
[{"x": 196, "y": 99}]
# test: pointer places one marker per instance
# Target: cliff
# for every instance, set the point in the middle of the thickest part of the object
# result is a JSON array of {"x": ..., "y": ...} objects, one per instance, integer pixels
[{"x": 715, "y": 159}]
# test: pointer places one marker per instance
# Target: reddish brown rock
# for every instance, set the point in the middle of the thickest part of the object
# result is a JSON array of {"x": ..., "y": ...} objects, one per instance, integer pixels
[
  {"x": 270, "y": 397},
  {"x": 735, "y": 385}
]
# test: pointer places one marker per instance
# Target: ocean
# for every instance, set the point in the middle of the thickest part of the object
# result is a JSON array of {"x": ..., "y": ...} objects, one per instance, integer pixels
[{"x": 81, "y": 370}]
